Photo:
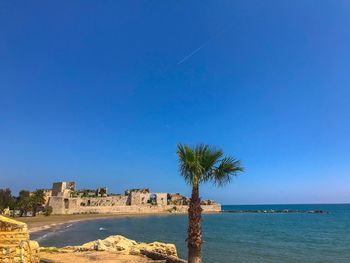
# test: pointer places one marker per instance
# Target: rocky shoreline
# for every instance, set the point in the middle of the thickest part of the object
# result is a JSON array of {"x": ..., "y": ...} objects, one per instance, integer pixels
[
  {"x": 112, "y": 248},
  {"x": 16, "y": 247}
]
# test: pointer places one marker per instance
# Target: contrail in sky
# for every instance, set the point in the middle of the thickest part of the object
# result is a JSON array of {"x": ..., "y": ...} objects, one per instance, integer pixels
[
  {"x": 200, "y": 47},
  {"x": 193, "y": 52}
]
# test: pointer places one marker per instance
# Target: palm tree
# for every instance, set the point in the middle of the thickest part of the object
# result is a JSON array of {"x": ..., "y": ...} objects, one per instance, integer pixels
[{"x": 198, "y": 165}]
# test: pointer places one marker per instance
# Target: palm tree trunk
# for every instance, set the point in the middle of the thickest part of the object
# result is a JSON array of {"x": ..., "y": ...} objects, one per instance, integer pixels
[{"x": 194, "y": 240}]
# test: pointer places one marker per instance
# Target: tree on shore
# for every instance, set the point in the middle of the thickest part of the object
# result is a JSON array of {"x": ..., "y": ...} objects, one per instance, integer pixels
[
  {"x": 13, "y": 206},
  {"x": 24, "y": 203},
  {"x": 201, "y": 164},
  {"x": 37, "y": 200},
  {"x": 5, "y": 198}
]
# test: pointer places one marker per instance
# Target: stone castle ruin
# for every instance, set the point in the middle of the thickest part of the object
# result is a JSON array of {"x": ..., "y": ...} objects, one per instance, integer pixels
[{"x": 65, "y": 199}]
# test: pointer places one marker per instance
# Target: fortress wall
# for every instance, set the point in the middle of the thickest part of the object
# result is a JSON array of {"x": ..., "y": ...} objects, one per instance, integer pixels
[
  {"x": 134, "y": 201},
  {"x": 162, "y": 198},
  {"x": 102, "y": 201},
  {"x": 58, "y": 187},
  {"x": 57, "y": 204},
  {"x": 214, "y": 208},
  {"x": 61, "y": 205},
  {"x": 144, "y": 197},
  {"x": 138, "y": 198},
  {"x": 132, "y": 209},
  {"x": 120, "y": 204},
  {"x": 211, "y": 208}
]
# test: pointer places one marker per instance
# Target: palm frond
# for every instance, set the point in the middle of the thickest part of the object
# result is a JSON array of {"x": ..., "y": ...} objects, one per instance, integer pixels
[
  {"x": 227, "y": 168},
  {"x": 189, "y": 164},
  {"x": 204, "y": 163},
  {"x": 210, "y": 158}
]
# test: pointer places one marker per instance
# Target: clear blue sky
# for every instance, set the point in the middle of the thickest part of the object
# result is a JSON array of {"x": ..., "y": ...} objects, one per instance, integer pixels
[{"x": 101, "y": 92}]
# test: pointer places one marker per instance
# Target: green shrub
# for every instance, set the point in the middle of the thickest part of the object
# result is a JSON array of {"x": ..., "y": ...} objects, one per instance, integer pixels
[{"x": 48, "y": 211}]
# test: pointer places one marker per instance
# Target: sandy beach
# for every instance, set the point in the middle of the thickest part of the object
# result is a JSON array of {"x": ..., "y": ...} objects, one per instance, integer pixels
[{"x": 41, "y": 222}]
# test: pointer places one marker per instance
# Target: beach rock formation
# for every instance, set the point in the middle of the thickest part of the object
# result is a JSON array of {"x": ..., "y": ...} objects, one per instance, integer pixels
[
  {"x": 15, "y": 246},
  {"x": 112, "y": 244},
  {"x": 124, "y": 245},
  {"x": 121, "y": 245}
]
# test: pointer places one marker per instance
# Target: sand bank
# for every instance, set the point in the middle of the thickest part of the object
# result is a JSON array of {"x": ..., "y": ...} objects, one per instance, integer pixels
[{"x": 41, "y": 222}]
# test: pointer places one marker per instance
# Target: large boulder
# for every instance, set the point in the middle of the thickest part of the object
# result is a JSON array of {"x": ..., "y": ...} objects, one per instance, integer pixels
[
  {"x": 162, "y": 248},
  {"x": 112, "y": 243},
  {"x": 123, "y": 245}
]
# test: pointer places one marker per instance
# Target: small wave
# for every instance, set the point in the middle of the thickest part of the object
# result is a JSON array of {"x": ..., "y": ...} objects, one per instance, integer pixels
[
  {"x": 102, "y": 229},
  {"x": 42, "y": 237}
]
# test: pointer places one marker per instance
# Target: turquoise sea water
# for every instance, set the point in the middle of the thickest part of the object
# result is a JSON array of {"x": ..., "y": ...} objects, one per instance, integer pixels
[{"x": 231, "y": 237}]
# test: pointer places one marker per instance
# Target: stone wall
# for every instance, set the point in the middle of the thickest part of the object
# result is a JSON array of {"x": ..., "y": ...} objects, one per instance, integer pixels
[
  {"x": 57, "y": 204},
  {"x": 116, "y": 204},
  {"x": 71, "y": 186},
  {"x": 137, "y": 198},
  {"x": 101, "y": 201},
  {"x": 64, "y": 201},
  {"x": 177, "y": 199},
  {"x": 47, "y": 195},
  {"x": 162, "y": 198},
  {"x": 15, "y": 246},
  {"x": 58, "y": 187}
]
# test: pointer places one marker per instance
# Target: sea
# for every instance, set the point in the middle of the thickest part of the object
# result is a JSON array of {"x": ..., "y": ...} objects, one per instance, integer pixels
[{"x": 231, "y": 237}]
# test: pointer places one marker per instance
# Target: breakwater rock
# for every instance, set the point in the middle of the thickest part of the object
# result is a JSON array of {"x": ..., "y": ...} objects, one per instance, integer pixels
[
  {"x": 272, "y": 211},
  {"x": 117, "y": 245}
]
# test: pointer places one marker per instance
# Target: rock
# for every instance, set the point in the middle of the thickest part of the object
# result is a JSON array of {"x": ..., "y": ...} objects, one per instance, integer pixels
[
  {"x": 33, "y": 245},
  {"x": 112, "y": 243},
  {"x": 15, "y": 245},
  {"x": 119, "y": 243},
  {"x": 122, "y": 245},
  {"x": 158, "y": 256},
  {"x": 162, "y": 248},
  {"x": 93, "y": 245}
]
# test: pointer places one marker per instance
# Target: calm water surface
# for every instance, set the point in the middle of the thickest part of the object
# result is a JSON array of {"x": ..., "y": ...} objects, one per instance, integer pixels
[{"x": 231, "y": 237}]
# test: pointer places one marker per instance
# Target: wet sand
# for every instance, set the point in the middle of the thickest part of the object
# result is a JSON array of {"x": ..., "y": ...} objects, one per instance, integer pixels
[{"x": 41, "y": 222}]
